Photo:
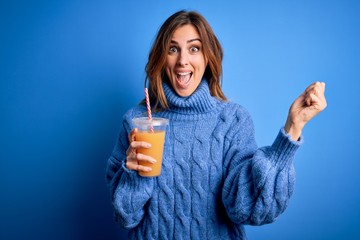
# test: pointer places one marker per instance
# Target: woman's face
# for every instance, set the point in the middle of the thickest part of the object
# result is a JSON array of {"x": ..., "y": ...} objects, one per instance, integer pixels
[{"x": 185, "y": 62}]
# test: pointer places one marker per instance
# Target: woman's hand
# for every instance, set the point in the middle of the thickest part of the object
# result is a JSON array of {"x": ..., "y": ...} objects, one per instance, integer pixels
[
  {"x": 133, "y": 158},
  {"x": 311, "y": 102}
]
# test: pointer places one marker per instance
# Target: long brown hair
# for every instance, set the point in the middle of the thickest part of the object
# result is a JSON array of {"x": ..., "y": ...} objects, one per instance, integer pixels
[{"x": 155, "y": 68}]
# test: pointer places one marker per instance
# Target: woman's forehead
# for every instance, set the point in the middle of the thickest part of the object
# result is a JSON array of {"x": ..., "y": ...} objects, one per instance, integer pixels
[{"x": 186, "y": 31}]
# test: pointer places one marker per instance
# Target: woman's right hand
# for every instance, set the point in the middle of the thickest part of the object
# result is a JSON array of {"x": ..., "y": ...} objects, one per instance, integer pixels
[{"x": 133, "y": 158}]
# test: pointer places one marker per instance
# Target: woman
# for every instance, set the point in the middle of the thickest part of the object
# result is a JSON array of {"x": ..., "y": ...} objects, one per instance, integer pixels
[{"x": 214, "y": 179}]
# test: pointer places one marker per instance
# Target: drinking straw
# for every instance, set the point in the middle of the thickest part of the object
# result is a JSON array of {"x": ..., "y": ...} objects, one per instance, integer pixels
[{"x": 147, "y": 99}]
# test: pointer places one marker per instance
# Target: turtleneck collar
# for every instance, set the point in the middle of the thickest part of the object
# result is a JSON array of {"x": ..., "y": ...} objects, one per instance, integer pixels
[{"x": 198, "y": 102}]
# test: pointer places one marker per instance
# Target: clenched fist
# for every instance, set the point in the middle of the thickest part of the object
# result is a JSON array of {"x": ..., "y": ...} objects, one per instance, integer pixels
[{"x": 311, "y": 102}]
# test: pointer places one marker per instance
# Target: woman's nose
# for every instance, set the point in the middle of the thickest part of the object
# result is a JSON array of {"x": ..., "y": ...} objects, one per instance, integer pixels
[{"x": 183, "y": 58}]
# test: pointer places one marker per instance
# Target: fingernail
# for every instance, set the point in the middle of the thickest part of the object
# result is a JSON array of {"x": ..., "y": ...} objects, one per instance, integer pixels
[
  {"x": 148, "y": 145},
  {"x": 153, "y": 160}
]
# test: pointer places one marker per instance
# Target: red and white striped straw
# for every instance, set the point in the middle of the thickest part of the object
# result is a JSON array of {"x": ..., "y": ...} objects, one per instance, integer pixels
[{"x": 147, "y": 99}]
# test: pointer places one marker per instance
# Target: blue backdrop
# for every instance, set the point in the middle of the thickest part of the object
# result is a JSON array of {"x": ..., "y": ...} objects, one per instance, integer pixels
[{"x": 70, "y": 69}]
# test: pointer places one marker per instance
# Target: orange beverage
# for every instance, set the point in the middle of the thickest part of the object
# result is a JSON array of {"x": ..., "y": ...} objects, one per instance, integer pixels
[
  {"x": 156, "y": 139},
  {"x": 151, "y": 131}
]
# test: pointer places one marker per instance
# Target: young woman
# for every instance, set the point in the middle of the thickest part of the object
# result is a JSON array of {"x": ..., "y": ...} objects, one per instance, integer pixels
[{"x": 214, "y": 179}]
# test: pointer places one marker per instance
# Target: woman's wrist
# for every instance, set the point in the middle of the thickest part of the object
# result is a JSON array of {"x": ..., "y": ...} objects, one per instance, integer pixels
[{"x": 293, "y": 129}]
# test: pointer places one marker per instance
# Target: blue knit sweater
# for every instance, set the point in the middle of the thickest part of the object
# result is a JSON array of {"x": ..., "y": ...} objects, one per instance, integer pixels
[{"x": 214, "y": 178}]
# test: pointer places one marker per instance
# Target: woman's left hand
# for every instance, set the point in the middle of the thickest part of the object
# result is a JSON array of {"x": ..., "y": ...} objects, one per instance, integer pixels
[{"x": 311, "y": 102}]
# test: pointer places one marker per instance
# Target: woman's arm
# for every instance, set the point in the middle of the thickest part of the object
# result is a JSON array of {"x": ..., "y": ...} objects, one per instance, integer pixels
[
  {"x": 129, "y": 191},
  {"x": 260, "y": 181}
]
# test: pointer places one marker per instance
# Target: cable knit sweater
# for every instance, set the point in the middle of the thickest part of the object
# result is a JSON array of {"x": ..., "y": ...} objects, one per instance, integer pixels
[{"x": 214, "y": 178}]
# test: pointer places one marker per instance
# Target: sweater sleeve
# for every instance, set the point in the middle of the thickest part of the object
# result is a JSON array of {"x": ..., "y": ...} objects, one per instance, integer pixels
[
  {"x": 129, "y": 191},
  {"x": 259, "y": 181}
]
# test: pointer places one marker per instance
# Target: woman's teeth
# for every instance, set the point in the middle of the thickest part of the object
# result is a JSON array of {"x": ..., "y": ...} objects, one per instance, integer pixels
[{"x": 183, "y": 77}]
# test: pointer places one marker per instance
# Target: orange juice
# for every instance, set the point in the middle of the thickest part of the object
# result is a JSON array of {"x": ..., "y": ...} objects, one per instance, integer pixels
[{"x": 156, "y": 139}]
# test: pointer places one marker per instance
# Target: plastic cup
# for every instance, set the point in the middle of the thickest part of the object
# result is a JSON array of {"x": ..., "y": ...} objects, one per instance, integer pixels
[{"x": 153, "y": 132}]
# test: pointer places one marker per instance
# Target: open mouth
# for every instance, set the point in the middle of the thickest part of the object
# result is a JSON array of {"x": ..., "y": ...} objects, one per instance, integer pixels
[{"x": 183, "y": 78}]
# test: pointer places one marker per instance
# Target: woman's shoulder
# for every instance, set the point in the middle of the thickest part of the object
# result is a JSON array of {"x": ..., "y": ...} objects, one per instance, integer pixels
[
  {"x": 235, "y": 109},
  {"x": 136, "y": 111},
  {"x": 236, "y": 118}
]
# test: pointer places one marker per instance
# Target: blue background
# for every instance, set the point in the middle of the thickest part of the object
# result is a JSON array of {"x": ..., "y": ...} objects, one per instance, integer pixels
[{"x": 70, "y": 69}]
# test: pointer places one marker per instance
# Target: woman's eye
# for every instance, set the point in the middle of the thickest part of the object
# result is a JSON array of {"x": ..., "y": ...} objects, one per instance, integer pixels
[
  {"x": 172, "y": 50},
  {"x": 194, "y": 49}
]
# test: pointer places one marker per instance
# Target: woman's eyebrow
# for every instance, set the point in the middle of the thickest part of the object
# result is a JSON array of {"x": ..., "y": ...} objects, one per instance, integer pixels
[
  {"x": 193, "y": 40},
  {"x": 188, "y": 41}
]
